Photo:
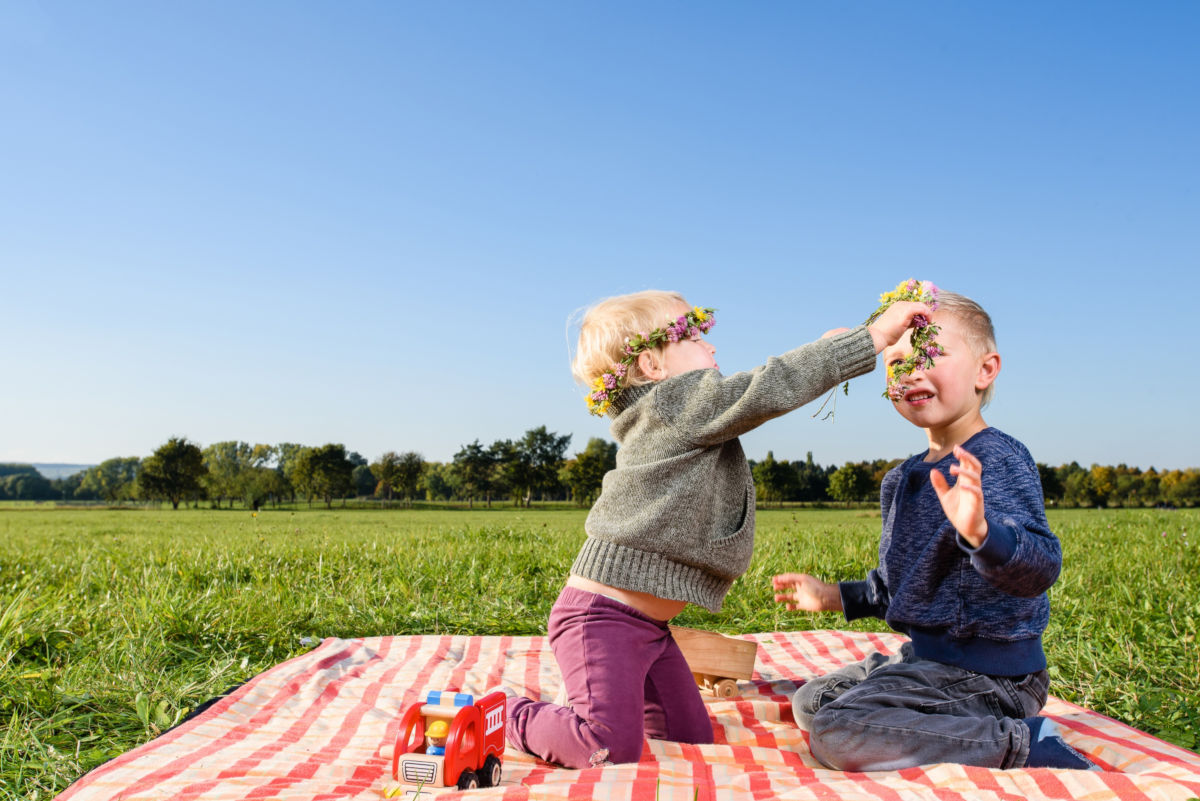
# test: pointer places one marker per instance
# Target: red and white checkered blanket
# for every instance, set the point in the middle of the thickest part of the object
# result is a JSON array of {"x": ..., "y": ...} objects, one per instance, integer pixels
[{"x": 313, "y": 727}]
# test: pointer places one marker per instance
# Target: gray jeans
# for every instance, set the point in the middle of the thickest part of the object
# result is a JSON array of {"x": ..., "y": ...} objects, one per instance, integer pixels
[{"x": 894, "y": 712}]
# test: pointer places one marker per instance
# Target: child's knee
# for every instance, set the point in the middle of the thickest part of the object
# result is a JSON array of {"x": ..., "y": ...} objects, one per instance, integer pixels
[
  {"x": 831, "y": 741},
  {"x": 806, "y": 702}
]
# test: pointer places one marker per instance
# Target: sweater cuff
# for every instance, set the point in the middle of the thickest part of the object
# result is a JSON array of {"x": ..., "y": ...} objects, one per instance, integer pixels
[
  {"x": 854, "y": 352},
  {"x": 854, "y": 600},
  {"x": 997, "y": 548}
]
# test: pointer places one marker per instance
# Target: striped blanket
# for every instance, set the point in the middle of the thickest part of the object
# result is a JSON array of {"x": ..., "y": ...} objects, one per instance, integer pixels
[{"x": 317, "y": 727}]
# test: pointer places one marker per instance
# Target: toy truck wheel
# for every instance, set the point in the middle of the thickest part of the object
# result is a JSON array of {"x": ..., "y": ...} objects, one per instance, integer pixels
[
  {"x": 490, "y": 775},
  {"x": 724, "y": 688},
  {"x": 468, "y": 780}
]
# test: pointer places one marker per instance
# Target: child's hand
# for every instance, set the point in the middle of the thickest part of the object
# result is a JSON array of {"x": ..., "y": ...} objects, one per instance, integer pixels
[
  {"x": 963, "y": 503},
  {"x": 891, "y": 325},
  {"x": 833, "y": 332},
  {"x": 802, "y": 591}
]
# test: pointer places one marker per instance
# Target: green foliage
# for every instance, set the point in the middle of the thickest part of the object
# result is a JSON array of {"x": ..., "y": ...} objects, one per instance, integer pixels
[
  {"x": 851, "y": 482},
  {"x": 173, "y": 472},
  {"x": 112, "y": 480},
  {"x": 115, "y": 624},
  {"x": 585, "y": 473},
  {"x": 325, "y": 472}
]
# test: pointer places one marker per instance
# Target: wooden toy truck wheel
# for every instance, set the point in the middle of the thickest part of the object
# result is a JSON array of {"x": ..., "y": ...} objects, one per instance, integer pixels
[
  {"x": 490, "y": 775},
  {"x": 468, "y": 780},
  {"x": 724, "y": 688}
]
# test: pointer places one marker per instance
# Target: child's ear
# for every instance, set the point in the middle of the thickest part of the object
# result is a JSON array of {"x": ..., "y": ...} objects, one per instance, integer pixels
[
  {"x": 989, "y": 368},
  {"x": 648, "y": 363}
]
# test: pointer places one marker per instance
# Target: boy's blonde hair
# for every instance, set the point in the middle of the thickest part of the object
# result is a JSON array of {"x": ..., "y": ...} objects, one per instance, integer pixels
[
  {"x": 978, "y": 331},
  {"x": 607, "y": 325}
]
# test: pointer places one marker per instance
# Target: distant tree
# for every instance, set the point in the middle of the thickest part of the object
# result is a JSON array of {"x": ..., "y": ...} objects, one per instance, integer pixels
[
  {"x": 585, "y": 473},
  {"x": 437, "y": 481},
  {"x": 260, "y": 484},
  {"x": 408, "y": 475},
  {"x": 850, "y": 482},
  {"x": 812, "y": 482},
  {"x": 774, "y": 480},
  {"x": 324, "y": 473},
  {"x": 473, "y": 470},
  {"x": 16, "y": 469},
  {"x": 31, "y": 486},
  {"x": 286, "y": 456},
  {"x": 1077, "y": 486},
  {"x": 544, "y": 453},
  {"x": 385, "y": 469},
  {"x": 112, "y": 480},
  {"x": 1052, "y": 488},
  {"x": 173, "y": 472},
  {"x": 227, "y": 464},
  {"x": 363, "y": 480},
  {"x": 67, "y": 487}
]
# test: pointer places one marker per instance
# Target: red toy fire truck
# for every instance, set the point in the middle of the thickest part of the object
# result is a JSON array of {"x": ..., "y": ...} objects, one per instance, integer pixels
[{"x": 449, "y": 740}]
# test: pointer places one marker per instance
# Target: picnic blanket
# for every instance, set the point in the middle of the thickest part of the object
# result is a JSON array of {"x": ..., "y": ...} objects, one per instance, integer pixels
[{"x": 314, "y": 728}]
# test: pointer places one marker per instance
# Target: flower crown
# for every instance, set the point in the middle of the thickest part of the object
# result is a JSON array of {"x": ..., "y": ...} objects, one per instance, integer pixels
[
  {"x": 922, "y": 338},
  {"x": 609, "y": 384}
]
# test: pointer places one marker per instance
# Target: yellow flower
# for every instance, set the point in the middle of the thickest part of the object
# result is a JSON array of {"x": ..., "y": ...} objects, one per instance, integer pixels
[{"x": 699, "y": 313}]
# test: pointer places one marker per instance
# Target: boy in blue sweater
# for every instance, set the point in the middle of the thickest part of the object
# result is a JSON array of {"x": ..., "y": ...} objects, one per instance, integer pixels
[{"x": 963, "y": 571}]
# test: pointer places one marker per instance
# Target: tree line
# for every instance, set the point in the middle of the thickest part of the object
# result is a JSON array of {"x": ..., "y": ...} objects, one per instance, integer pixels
[
  {"x": 516, "y": 471},
  {"x": 519, "y": 470}
]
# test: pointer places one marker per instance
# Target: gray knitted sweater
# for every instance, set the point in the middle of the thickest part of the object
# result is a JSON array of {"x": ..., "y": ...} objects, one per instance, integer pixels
[{"x": 676, "y": 517}]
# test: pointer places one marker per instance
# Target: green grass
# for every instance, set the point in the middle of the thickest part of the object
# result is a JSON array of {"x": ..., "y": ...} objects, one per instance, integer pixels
[{"x": 115, "y": 624}]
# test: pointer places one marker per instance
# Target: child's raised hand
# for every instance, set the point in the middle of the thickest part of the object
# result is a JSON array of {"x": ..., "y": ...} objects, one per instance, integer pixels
[
  {"x": 891, "y": 325},
  {"x": 963, "y": 503},
  {"x": 802, "y": 591}
]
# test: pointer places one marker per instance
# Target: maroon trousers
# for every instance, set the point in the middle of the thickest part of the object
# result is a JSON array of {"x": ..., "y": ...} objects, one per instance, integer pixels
[{"x": 625, "y": 679}]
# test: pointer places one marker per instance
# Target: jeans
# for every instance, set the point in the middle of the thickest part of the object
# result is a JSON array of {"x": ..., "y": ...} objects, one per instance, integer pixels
[
  {"x": 894, "y": 712},
  {"x": 625, "y": 679}
]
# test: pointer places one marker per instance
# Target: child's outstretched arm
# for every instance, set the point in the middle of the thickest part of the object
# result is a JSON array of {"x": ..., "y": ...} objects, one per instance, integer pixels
[
  {"x": 709, "y": 408},
  {"x": 802, "y": 591}
]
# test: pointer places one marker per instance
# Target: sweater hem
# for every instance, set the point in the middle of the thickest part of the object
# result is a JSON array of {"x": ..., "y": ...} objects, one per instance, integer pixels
[{"x": 642, "y": 571}]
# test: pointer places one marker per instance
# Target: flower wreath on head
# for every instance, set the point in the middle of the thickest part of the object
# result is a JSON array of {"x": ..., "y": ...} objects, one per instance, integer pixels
[
  {"x": 925, "y": 348},
  {"x": 609, "y": 384}
]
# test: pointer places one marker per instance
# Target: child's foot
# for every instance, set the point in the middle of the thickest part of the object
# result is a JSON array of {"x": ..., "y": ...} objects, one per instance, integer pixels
[{"x": 1047, "y": 748}]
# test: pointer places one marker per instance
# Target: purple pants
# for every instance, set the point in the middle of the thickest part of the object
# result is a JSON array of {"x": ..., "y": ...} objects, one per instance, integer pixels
[{"x": 626, "y": 680}]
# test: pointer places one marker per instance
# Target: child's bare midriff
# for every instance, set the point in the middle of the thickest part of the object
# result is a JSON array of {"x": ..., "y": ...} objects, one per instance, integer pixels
[{"x": 644, "y": 602}]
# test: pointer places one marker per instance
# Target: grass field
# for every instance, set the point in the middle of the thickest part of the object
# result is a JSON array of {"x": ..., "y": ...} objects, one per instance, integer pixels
[{"x": 115, "y": 624}]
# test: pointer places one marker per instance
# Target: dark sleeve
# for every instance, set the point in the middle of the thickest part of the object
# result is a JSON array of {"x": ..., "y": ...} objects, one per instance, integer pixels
[
  {"x": 870, "y": 598},
  {"x": 707, "y": 408},
  {"x": 1020, "y": 555},
  {"x": 867, "y": 598}
]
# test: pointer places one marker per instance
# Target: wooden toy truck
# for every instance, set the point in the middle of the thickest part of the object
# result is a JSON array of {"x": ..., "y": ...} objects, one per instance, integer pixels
[
  {"x": 717, "y": 660},
  {"x": 474, "y": 744}
]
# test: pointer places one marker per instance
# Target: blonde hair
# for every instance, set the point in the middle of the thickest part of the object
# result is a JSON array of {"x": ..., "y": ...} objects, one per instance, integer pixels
[
  {"x": 978, "y": 331},
  {"x": 607, "y": 324}
]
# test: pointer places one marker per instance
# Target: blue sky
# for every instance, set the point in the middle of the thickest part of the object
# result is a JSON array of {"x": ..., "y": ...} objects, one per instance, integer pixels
[{"x": 370, "y": 223}]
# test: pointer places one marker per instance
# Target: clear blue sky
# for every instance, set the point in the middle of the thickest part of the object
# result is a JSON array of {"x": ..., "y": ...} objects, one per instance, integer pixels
[{"x": 369, "y": 222}]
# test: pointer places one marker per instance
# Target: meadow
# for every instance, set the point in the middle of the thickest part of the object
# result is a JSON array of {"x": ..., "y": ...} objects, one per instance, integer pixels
[{"x": 115, "y": 624}]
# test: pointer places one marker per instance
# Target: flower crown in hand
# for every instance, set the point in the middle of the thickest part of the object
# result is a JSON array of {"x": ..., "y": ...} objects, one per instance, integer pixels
[
  {"x": 609, "y": 384},
  {"x": 922, "y": 338}
]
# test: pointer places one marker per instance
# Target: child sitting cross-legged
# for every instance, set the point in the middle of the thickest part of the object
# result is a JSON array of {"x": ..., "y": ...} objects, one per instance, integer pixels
[{"x": 963, "y": 570}]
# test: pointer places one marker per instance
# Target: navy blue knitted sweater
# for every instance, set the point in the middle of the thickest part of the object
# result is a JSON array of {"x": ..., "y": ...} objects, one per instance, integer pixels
[{"x": 981, "y": 609}]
